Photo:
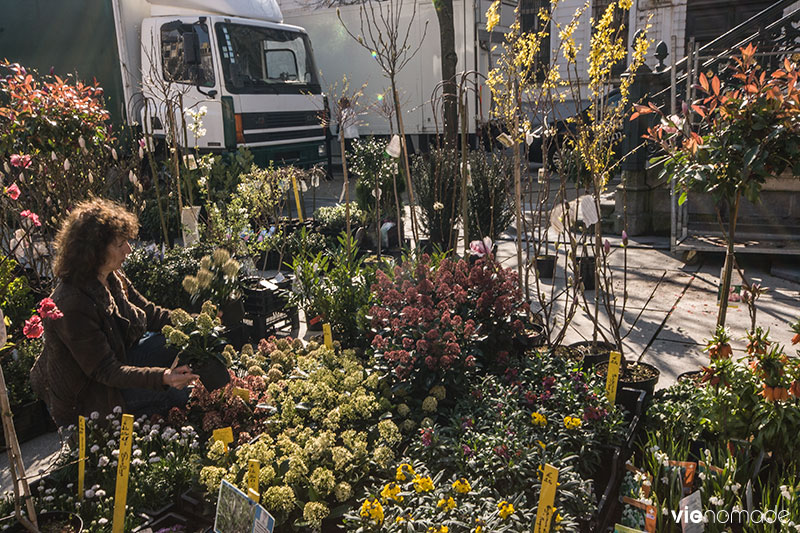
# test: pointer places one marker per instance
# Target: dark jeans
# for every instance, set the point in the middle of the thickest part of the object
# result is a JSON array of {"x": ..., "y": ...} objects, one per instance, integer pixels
[{"x": 152, "y": 350}]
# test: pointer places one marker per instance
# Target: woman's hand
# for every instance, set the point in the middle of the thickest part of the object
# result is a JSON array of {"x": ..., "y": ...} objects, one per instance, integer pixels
[{"x": 179, "y": 377}]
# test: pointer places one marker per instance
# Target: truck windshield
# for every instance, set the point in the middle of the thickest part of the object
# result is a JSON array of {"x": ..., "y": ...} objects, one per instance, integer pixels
[{"x": 266, "y": 60}]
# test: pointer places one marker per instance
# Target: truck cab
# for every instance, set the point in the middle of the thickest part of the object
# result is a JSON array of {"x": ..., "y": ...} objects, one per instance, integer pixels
[{"x": 256, "y": 81}]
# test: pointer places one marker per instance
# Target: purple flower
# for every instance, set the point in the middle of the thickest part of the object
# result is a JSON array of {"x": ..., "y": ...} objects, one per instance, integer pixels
[{"x": 467, "y": 450}]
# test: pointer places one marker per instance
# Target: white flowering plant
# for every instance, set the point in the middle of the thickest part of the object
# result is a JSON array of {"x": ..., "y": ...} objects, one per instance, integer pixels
[{"x": 164, "y": 463}]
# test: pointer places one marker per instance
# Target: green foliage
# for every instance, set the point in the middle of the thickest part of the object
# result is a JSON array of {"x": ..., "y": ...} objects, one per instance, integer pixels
[
  {"x": 370, "y": 163},
  {"x": 333, "y": 219},
  {"x": 488, "y": 195},
  {"x": 16, "y": 298},
  {"x": 437, "y": 180},
  {"x": 159, "y": 277},
  {"x": 216, "y": 280},
  {"x": 17, "y": 363}
]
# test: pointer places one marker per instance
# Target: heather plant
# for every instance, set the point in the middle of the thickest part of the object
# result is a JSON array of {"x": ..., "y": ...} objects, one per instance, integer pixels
[{"x": 436, "y": 323}]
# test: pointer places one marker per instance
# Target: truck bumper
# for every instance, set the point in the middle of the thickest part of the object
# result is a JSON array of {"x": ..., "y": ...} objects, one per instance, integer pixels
[{"x": 299, "y": 154}]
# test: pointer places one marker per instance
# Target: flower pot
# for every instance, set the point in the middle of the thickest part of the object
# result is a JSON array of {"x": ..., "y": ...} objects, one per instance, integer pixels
[
  {"x": 232, "y": 313},
  {"x": 643, "y": 376},
  {"x": 546, "y": 266},
  {"x": 213, "y": 374},
  {"x": 30, "y": 420},
  {"x": 54, "y": 522},
  {"x": 593, "y": 353},
  {"x": 586, "y": 268},
  {"x": 532, "y": 337},
  {"x": 569, "y": 353},
  {"x": 692, "y": 376}
]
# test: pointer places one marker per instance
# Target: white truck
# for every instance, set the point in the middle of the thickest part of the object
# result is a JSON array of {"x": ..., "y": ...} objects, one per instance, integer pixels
[
  {"x": 255, "y": 75},
  {"x": 339, "y": 56}
]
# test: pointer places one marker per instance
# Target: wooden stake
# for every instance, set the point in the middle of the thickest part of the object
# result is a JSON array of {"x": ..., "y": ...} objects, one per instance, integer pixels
[{"x": 21, "y": 489}]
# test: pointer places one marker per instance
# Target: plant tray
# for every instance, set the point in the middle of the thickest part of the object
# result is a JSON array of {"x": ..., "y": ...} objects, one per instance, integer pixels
[{"x": 30, "y": 420}]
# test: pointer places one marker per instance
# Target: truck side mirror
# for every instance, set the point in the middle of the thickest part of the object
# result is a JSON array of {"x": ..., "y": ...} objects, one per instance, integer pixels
[{"x": 191, "y": 49}]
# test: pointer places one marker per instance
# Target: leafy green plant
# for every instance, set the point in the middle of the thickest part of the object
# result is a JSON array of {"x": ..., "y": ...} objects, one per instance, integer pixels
[
  {"x": 159, "y": 277},
  {"x": 17, "y": 363},
  {"x": 16, "y": 298},
  {"x": 333, "y": 219},
  {"x": 747, "y": 132},
  {"x": 197, "y": 339},
  {"x": 437, "y": 179},
  {"x": 217, "y": 279},
  {"x": 373, "y": 167},
  {"x": 490, "y": 203}
]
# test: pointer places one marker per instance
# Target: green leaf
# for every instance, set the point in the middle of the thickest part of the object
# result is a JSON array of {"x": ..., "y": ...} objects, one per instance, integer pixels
[
  {"x": 750, "y": 155},
  {"x": 682, "y": 198}
]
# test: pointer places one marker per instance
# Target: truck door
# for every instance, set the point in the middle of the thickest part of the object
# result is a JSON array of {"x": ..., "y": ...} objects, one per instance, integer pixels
[{"x": 179, "y": 80}]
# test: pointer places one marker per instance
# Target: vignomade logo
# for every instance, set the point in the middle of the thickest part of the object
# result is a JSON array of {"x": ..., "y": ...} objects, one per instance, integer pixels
[{"x": 687, "y": 515}]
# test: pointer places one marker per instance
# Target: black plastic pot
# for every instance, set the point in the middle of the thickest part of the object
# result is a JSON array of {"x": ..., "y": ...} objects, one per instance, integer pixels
[
  {"x": 546, "y": 266},
  {"x": 692, "y": 375},
  {"x": 30, "y": 420},
  {"x": 72, "y": 523},
  {"x": 586, "y": 272},
  {"x": 213, "y": 374},
  {"x": 232, "y": 313},
  {"x": 648, "y": 385},
  {"x": 593, "y": 355}
]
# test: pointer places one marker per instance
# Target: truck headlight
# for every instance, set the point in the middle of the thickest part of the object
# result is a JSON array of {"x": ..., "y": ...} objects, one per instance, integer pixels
[{"x": 321, "y": 150}]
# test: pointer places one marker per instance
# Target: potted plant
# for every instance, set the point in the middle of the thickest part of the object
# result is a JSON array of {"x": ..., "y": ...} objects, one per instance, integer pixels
[
  {"x": 200, "y": 344},
  {"x": 55, "y": 522},
  {"x": 747, "y": 131},
  {"x": 217, "y": 281}
]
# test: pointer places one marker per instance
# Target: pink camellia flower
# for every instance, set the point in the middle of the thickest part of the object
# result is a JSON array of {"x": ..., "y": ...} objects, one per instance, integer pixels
[
  {"x": 20, "y": 161},
  {"x": 481, "y": 248},
  {"x": 33, "y": 217},
  {"x": 48, "y": 309},
  {"x": 13, "y": 191},
  {"x": 33, "y": 327}
]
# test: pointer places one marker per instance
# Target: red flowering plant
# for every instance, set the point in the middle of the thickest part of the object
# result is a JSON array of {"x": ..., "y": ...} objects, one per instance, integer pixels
[
  {"x": 437, "y": 320},
  {"x": 56, "y": 147}
]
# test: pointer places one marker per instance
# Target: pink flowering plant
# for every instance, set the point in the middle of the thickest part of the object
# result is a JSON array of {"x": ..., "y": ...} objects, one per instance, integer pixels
[{"x": 439, "y": 319}]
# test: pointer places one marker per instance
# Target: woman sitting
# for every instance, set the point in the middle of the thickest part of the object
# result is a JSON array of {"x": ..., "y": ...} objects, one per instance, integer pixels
[{"x": 99, "y": 355}]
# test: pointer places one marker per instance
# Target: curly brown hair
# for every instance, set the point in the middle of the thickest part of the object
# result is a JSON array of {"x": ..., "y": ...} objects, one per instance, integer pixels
[{"x": 86, "y": 233}]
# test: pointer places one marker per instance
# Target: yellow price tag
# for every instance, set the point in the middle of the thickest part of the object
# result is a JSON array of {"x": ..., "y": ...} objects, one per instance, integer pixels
[
  {"x": 253, "y": 473},
  {"x": 546, "y": 499},
  {"x": 81, "y": 455},
  {"x": 244, "y": 394},
  {"x": 297, "y": 199},
  {"x": 123, "y": 471},
  {"x": 326, "y": 331},
  {"x": 223, "y": 434},
  {"x": 614, "y": 361}
]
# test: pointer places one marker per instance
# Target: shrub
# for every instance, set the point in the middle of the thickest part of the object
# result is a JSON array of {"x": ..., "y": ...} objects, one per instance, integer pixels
[
  {"x": 437, "y": 323},
  {"x": 333, "y": 219},
  {"x": 370, "y": 162},
  {"x": 437, "y": 181},
  {"x": 490, "y": 201}
]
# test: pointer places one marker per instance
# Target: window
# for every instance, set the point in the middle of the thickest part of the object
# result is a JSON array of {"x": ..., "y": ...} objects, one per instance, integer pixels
[
  {"x": 531, "y": 23},
  {"x": 172, "y": 54},
  {"x": 258, "y": 59}
]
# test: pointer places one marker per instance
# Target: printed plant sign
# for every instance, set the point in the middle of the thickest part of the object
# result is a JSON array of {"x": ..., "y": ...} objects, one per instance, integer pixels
[{"x": 236, "y": 513}]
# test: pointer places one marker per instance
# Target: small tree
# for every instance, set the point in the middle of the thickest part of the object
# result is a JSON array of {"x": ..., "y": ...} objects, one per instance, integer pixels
[{"x": 747, "y": 132}]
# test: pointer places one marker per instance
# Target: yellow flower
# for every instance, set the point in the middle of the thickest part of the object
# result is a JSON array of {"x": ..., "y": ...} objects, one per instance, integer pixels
[
  {"x": 538, "y": 419},
  {"x": 493, "y": 15},
  {"x": 392, "y": 492},
  {"x": 372, "y": 509},
  {"x": 571, "y": 422},
  {"x": 461, "y": 486},
  {"x": 479, "y": 525},
  {"x": 448, "y": 504},
  {"x": 440, "y": 529},
  {"x": 506, "y": 509},
  {"x": 404, "y": 470},
  {"x": 423, "y": 484}
]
